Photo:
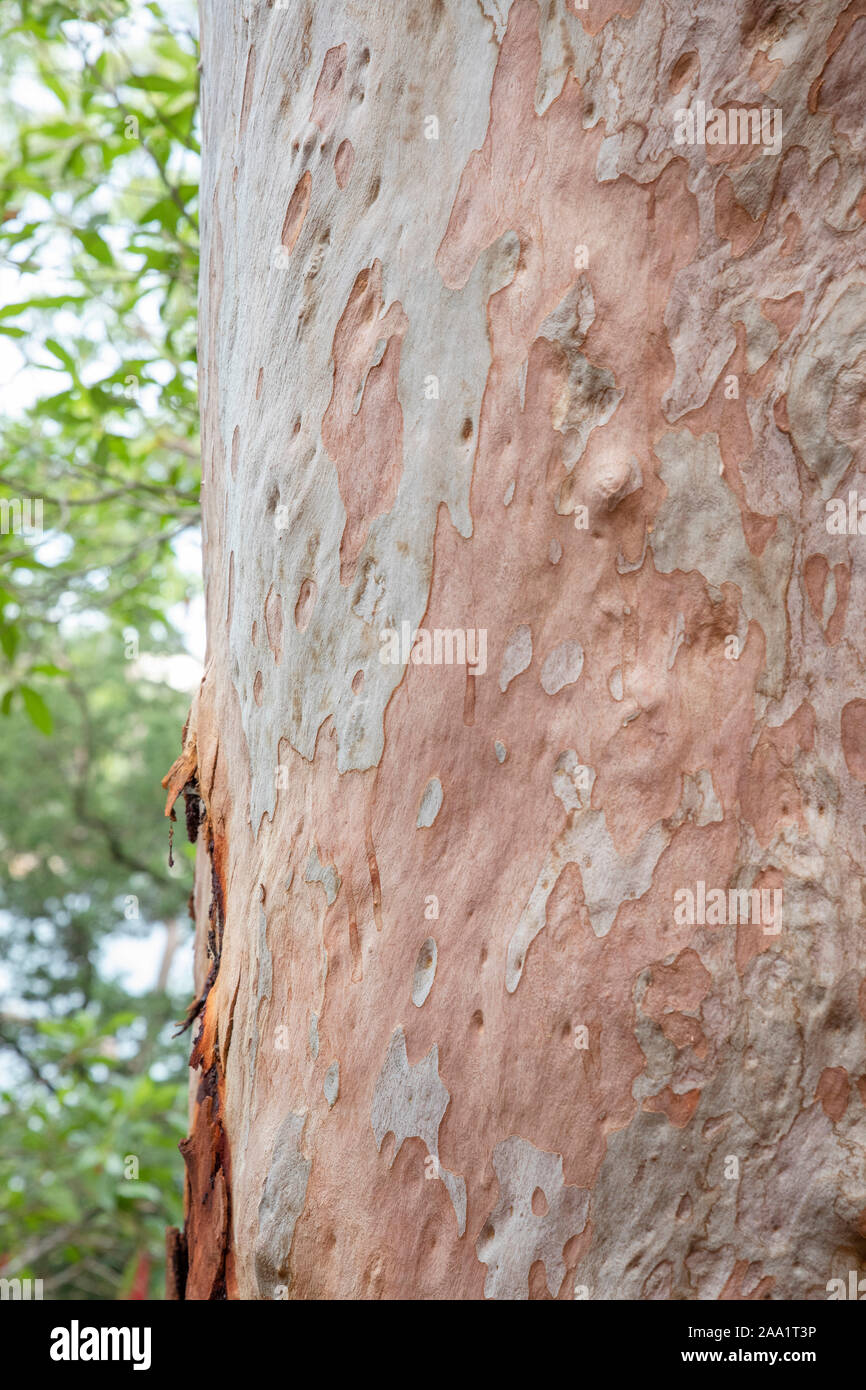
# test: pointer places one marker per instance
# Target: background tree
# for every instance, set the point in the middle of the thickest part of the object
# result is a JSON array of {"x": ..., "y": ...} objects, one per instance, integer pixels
[{"x": 98, "y": 265}]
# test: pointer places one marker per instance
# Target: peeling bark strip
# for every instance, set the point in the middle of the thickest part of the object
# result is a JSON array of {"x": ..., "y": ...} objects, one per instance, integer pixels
[
  {"x": 542, "y": 320},
  {"x": 199, "y": 1262},
  {"x": 175, "y": 1264},
  {"x": 207, "y": 1201}
]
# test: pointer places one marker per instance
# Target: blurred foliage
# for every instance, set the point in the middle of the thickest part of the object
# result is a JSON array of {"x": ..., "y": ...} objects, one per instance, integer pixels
[
  {"x": 89, "y": 1172},
  {"x": 98, "y": 158},
  {"x": 77, "y": 857},
  {"x": 99, "y": 422}
]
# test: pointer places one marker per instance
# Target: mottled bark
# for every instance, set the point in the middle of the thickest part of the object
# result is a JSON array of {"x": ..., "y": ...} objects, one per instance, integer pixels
[{"x": 543, "y": 327}]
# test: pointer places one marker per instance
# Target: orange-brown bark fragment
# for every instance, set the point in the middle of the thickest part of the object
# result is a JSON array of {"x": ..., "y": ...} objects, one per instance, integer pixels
[
  {"x": 294, "y": 221},
  {"x": 832, "y": 1092}
]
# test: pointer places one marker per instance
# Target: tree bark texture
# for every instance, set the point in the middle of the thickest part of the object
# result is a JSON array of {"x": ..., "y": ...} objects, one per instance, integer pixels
[{"x": 541, "y": 977}]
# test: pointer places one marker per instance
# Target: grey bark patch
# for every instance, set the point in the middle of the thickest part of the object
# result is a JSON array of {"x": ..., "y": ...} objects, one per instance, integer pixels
[
  {"x": 609, "y": 879},
  {"x": 839, "y": 340},
  {"x": 281, "y": 1204},
  {"x": 424, "y": 973},
  {"x": 431, "y": 801},
  {"x": 497, "y": 12},
  {"x": 562, "y": 667},
  {"x": 311, "y": 684},
  {"x": 514, "y": 1237},
  {"x": 264, "y": 990},
  {"x": 518, "y": 655},
  {"x": 409, "y": 1102},
  {"x": 699, "y": 528},
  {"x": 331, "y": 1086},
  {"x": 326, "y": 874},
  {"x": 591, "y": 395}
]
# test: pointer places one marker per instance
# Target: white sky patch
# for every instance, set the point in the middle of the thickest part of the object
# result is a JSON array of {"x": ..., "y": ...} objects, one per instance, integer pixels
[{"x": 134, "y": 961}]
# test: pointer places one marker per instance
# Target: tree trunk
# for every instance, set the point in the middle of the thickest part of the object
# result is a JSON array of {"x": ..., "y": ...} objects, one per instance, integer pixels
[{"x": 531, "y": 964}]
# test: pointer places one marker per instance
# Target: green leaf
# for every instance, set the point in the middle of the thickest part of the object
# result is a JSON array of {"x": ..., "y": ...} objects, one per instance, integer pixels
[
  {"x": 56, "y": 301},
  {"x": 60, "y": 352},
  {"x": 165, "y": 211},
  {"x": 94, "y": 245},
  {"x": 60, "y": 130},
  {"x": 37, "y": 710},
  {"x": 152, "y": 82},
  {"x": 10, "y": 636}
]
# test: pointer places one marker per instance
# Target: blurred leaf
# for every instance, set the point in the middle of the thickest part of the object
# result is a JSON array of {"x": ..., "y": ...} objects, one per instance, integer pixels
[
  {"x": 93, "y": 243},
  {"x": 37, "y": 711}
]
